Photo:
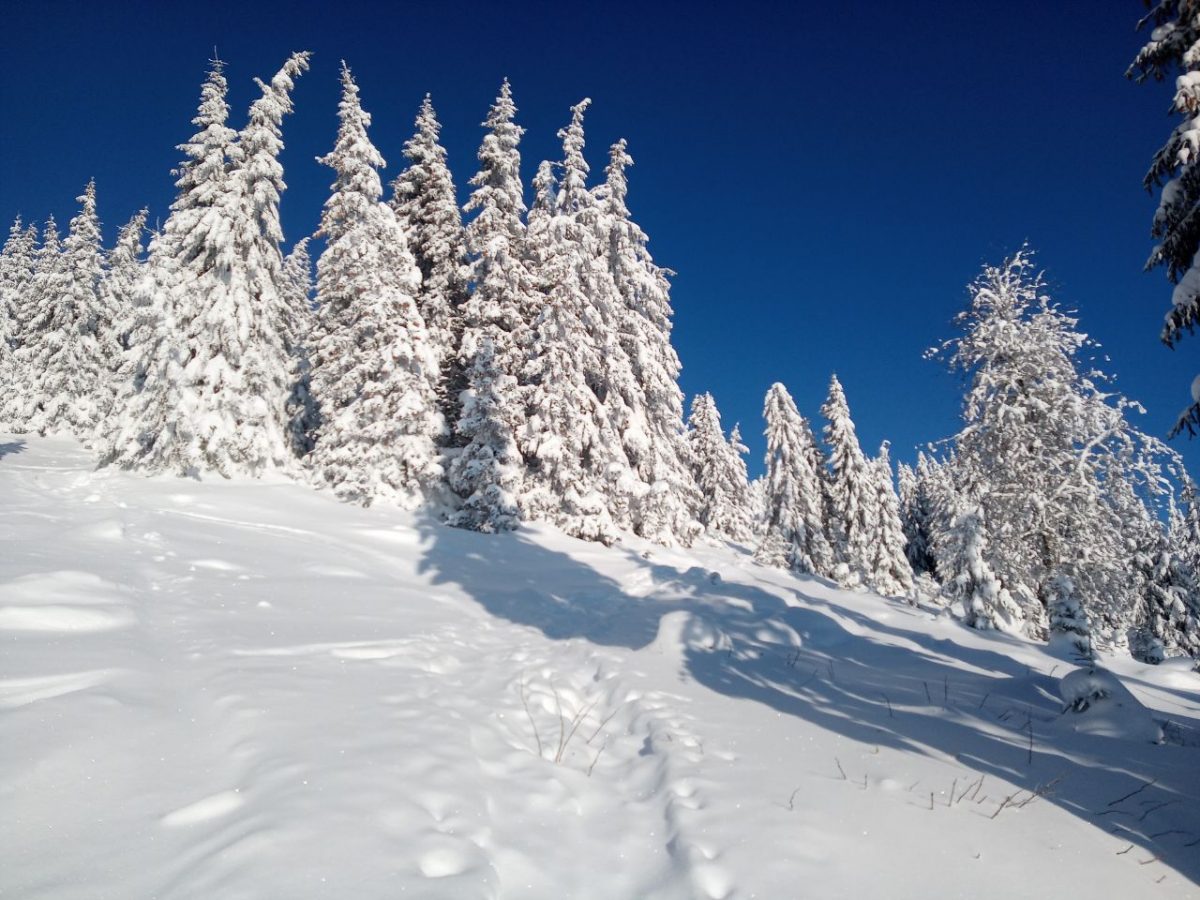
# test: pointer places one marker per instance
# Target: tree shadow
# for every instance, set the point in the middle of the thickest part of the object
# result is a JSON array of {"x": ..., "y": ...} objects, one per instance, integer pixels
[
  {"x": 11, "y": 447},
  {"x": 874, "y": 682}
]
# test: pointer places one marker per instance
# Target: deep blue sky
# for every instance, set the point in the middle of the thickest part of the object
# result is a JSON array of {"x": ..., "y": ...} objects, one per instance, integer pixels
[{"x": 825, "y": 178}]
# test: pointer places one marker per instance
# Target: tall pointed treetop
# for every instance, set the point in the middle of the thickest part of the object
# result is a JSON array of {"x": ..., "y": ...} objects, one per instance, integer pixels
[{"x": 572, "y": 192}]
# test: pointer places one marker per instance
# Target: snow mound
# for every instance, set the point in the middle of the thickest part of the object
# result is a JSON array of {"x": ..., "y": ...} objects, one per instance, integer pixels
[{"x": 1100, "y": 705}]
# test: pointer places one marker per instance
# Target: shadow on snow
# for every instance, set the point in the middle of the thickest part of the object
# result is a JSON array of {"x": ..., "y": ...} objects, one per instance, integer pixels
[{"x": 868, "y": 680}]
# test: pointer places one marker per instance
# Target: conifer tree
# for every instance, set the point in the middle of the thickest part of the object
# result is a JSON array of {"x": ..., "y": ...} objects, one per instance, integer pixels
[
  {"x": 215, "y": 370},
  {"x": 890, "y": 573},
  {"x": 917, "y": 513},
  {"x": 49, "y": 279},
  {"x": 1174, "y": 46},
  {"x": 575, "y": 469},
  {"x": 720, "y": 474},
  {"x": 427, "y": 209},
  {"x": 374, "y": 369},
  {"x": 16, "y": 273},
  {"x": 643, "y": 368},
  {"x": 795, "y": 528},
  {"x": 968, "y": 579},
  {"x": 853, "y": 514},
  {"x": 488, "y": 473},
  {"x": 1166, "y": 619},
  {"x": 118, "y": 287},
  {"x": 297, "y": 287},
  {"x": 68, "y": 363}
]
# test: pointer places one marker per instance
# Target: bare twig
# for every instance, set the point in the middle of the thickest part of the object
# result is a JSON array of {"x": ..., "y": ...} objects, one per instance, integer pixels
[
  {"x": 600, "y": 726},
  {"x": 889, "y": 705},
  {"x": 1132, "y": 793},
  {"x": 525, "y": 703},
  {"x": 792, "y": 800},
  {"x": 596, "y": 758},
  {"x": 576, "y": 721},
  {"x": 1126, "y": 850},
  {"x": 840, "y": 769},
  {"x": 1155, "y": 808}
]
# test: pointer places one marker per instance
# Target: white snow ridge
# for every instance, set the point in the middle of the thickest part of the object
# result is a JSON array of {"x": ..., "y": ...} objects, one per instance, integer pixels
[{"x": 247, "y": 689}]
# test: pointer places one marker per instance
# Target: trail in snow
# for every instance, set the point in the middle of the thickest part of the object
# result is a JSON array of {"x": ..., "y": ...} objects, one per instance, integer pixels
[{"x": 249, "y": 690}]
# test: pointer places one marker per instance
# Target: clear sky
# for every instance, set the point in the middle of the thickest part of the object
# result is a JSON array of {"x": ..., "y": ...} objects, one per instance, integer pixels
[{"x": 825, "y": 178}]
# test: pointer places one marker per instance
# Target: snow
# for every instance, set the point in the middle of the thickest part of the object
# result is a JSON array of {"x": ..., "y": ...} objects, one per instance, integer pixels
[
  {"x": 1103, "y": 706},
  {"x": 293, "y": 697}
]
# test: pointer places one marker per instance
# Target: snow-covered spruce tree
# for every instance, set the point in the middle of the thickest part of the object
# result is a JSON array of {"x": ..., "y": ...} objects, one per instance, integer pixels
[
  {"x": 427, "y": 209},
  {"x": 374, "y": 369},
  {"x": 488, "y": 472},
  {"x": 157, "y": 422},
  {"x": 76, "y": 348},
  {"x": 917, "y": 513},
  {"x": 794, "y": 520},
  {"x": 120, "y": 281},
  {"x": 576, "y": 472},
  {"x": 297, "y": 288},
  {"x": 16, "y": 272},
  {"x": 272, "y": 360},
  {"x": 853, "y": 516},
  {"x": 1164, "y": 621},
  {"x": 968, "y": 578},
  {"x": 720, "y": 474},
  {"x": 1174, "y": 47},
  {"x": 215, "y": 370},
  {"x": 645, "y": 372},
  {"x": 890, "y": 573},
  {"x": 49, "y": 280}
]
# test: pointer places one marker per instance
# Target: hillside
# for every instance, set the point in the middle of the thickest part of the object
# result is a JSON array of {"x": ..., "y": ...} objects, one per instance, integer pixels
[{"x": 245, "y": 689}]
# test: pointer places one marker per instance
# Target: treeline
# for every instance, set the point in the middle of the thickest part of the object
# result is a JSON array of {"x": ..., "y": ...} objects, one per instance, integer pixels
[{"x": 516, "y": 365}]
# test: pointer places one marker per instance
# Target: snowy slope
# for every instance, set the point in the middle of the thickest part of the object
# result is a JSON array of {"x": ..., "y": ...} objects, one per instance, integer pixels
[{"x": 249, "y": 690}]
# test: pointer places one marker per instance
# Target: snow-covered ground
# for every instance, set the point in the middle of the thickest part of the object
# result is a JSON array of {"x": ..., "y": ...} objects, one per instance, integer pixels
[{"x": 248, "y": 690}]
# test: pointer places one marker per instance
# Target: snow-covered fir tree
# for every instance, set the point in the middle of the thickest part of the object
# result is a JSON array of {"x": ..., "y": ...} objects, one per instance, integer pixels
[
  {"x": 374, "y": 369},
  {"x": 1174, "y": 47},
  {"x": 271, "y": 362},
  {"x": 794, "y": 519},
  {"x": 1165, "y": 619},
  {"x": 68, "y": 364},
  {"x": 645, "y": 371},
  {"x": 720, "y": 474},
  {"x": 852, "y": 519},
  {"x": 16, "y": 272},
  {"x": 119, "y": 285},
  {"x": 215, "y": 370},
  {"x": 426, "y": 206},
  {"x": 917, "y": 513},
  {"x": 575, "y": 467},
  {"x": 890, "y": 573},
  {"x": 968, "y": 579},
  {"x": 488, "y": 472},
  {"x": 49, "y": 280},
  {"x": 297, "y": 288}
]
